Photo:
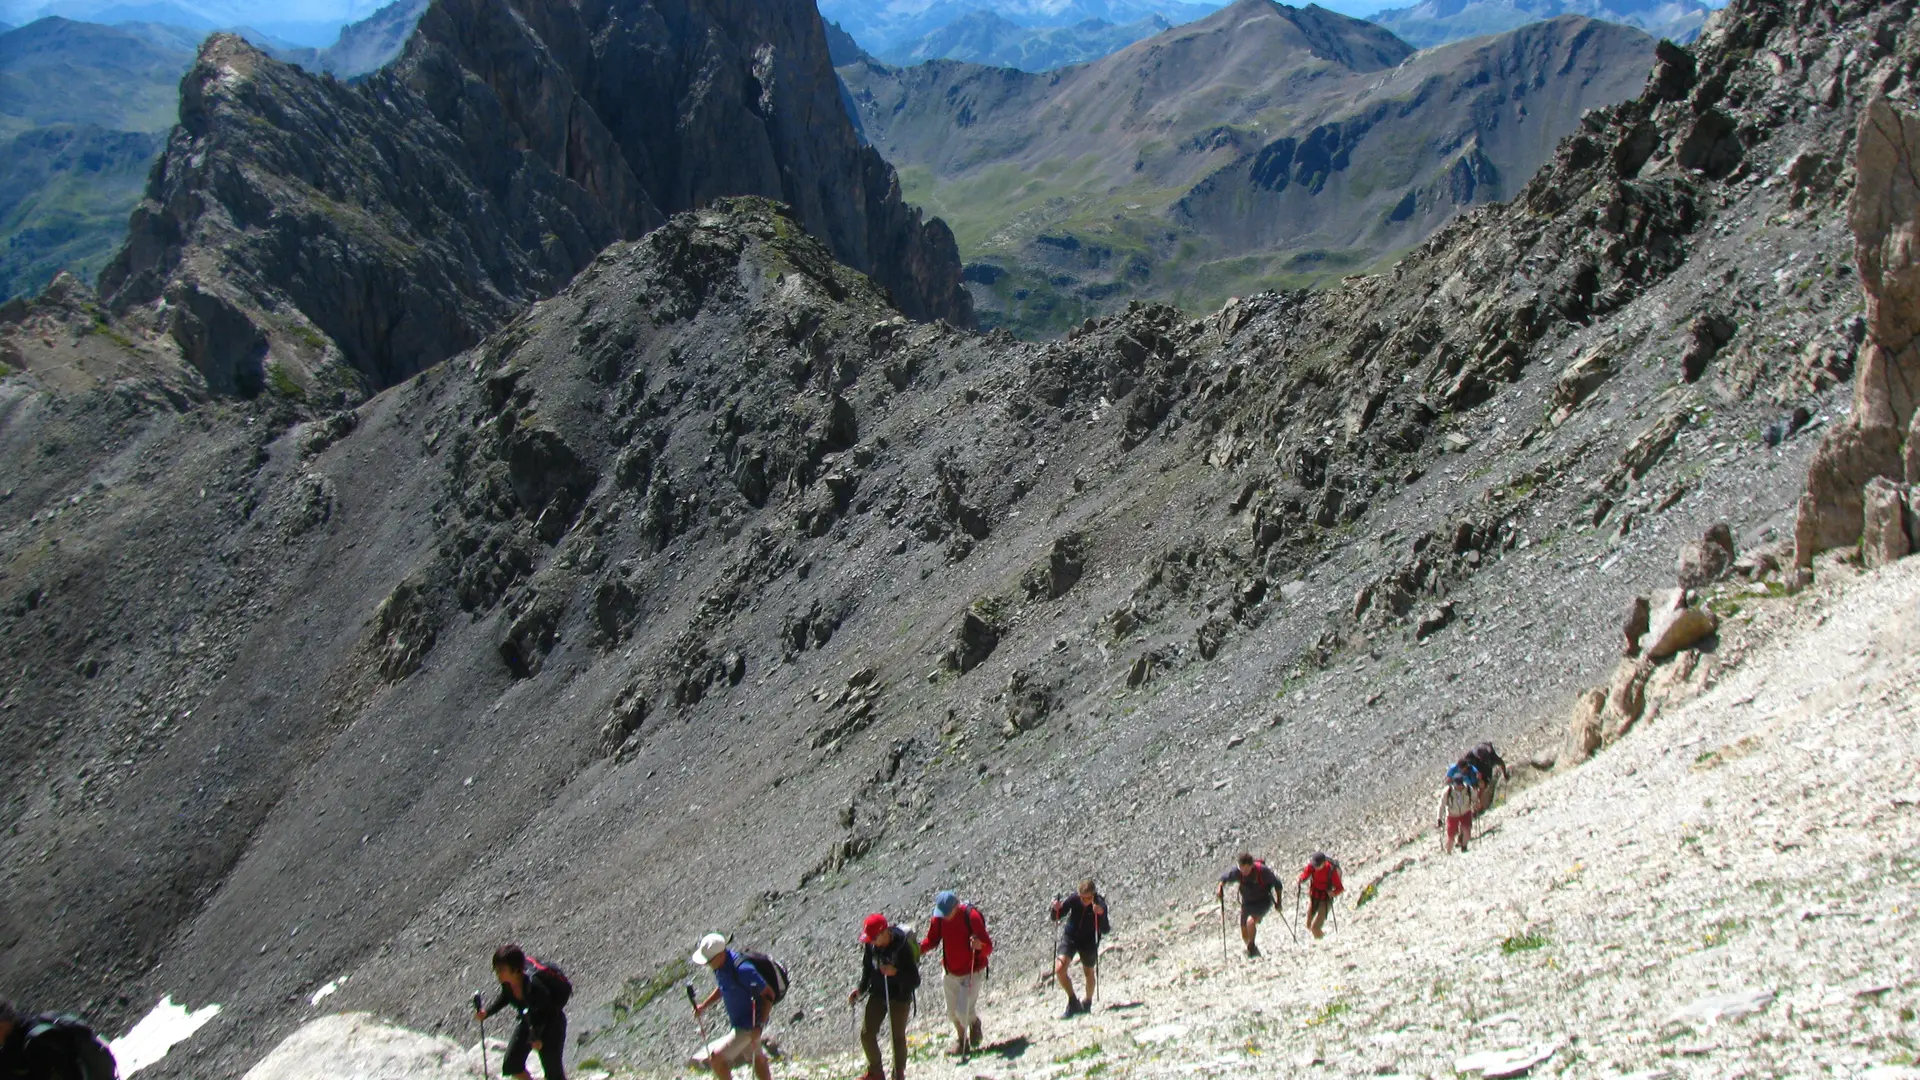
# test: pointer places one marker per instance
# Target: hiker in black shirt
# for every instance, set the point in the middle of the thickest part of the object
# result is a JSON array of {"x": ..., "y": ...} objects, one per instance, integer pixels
[
  {"x": 540, "y": 992},
  {"x": 889, "y": 975},
  {"x": 1258, "y": 886},
  {"x": 1083, "y": 922},
  {"x": 1484, "y": 760},
  {"x": 50, "y": 1047}
]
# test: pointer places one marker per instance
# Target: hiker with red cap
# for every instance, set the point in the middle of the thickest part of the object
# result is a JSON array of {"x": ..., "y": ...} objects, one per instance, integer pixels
[
  {"x": 889, "y": 975},
  {"x": 964, "y": 947},
  {"x": 1322, "y": 878}
]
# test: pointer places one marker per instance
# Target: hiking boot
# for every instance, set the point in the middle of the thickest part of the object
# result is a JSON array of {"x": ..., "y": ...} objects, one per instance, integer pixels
[
  {"x": 973, "y": 1035},
  {"x": 1253, "y": 951},
  {"x": 1074, "y": 1008}
]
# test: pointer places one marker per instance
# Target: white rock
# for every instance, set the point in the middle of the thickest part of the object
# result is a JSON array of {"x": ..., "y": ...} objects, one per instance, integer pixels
[
  {"x": 357, "y": 1045},
  {"x": 1159, "y": 1033},
  {"x": 1494, "y": 1064},
  {"x": 1719, "y": 1007}
]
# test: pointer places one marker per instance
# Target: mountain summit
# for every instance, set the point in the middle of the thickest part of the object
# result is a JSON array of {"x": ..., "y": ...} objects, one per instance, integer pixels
[
  {"x": 338, "y": 238},
  {"x": 1264, "y": 145}
]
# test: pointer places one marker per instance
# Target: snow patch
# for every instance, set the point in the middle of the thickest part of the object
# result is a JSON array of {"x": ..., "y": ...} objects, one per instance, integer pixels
[{"x": 159, "y": 1031}]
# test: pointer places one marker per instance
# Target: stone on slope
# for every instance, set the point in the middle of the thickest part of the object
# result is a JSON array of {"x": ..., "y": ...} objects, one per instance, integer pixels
[
  {"x": 1494, "y": 1064},
  {"x": 1583, "y": 728},
  {"x": 360, "y": 1046},
  {"x": 1706, "y": 560},
  {"x": 1635, "y": 625},
  {"x": 1675, "y": 626},
  {"x": 1716, "y": 1007},
  {"x": 1883, "y": 539},
  {"x": 1626, "y": 697}
]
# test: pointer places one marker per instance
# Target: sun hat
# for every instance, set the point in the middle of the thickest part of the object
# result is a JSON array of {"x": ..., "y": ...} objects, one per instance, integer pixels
[
  {"x": 944, "y": 902},
  {"x": 873, "y": 927},
  {"x": 710, "y": 946}
]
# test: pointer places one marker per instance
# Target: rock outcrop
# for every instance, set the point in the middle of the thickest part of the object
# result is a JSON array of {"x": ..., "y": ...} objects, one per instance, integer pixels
[
  {"x": 1878, "y": 439},
  {"x": 333, "y": 238}
]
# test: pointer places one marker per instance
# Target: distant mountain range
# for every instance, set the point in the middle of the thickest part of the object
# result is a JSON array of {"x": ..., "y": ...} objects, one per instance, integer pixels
[
  {"x": 282, "y": 24},
  {"x": 889, "y": 27},
  {"x": 986, "y": 37},
  {"x": 1263, "y": 146},
  {"x": 1436, "y": 22}
]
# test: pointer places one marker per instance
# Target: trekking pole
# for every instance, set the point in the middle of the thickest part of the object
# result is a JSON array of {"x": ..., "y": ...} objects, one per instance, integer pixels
[
  {"x": 480, "y": 1008},
  {"x": 698, "y": 1018},
  {"x": 1223, "y": 929}
]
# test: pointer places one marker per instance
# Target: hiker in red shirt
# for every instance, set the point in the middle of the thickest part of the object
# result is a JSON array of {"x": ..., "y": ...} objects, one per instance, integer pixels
[
  {"x": 1322, "y": 876},
  {"x": 964, "y": 947}
]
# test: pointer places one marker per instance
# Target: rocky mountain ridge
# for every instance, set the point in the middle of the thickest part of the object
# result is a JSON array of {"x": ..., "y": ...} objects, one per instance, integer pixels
[
  {"x": 337, "y": 238},
  {"x": 984, "y": 37},
  {"x": 886, "y": 25},
  {"x": 713, "y": 591},
  {"x": 1263, "y": 144}
]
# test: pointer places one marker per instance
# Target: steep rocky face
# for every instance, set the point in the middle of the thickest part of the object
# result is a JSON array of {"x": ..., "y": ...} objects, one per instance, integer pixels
[
  {"x": 712, "y": 590},
  {"x": 1263, "y": 145},
  {"x": 348, "y": 236},
  {"x": 1879, "y": 445}
]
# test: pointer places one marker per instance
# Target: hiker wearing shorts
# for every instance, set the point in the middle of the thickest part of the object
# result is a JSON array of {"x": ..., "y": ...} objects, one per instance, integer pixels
[
  {"x": 1456, "y": 811},
  {"x": 1258, "y": 886},
  {"x": 1484, "y": 761},
  {"x": 889, "y": 975},
  {"x": 540, "y": 992},
  {"x": 961, "y": 931},
  {"x": 749, "y": 1001},
  {"x": 1322, "y": 877},
  {"x": 1082, "y": 916}
]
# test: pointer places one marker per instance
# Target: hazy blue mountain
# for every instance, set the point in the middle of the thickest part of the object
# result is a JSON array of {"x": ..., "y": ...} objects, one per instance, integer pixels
[
  {"x": 364, "y": 46},
  {"x": 1435, "y": 22},
  {"x": 883, "y": 26},
  {"x": 65, "y": 191},
  {"x": 58, "y": 71},
  {"x": 985, "y": 37}
]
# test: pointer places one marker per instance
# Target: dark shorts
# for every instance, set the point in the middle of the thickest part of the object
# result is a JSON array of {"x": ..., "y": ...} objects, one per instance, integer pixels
[
  {"x": 1319, "y": 904},
  {"x": 1088, "y": 951},
  {"x": 521, "y": 1045},
  {"x": 1255, "y": 909}
]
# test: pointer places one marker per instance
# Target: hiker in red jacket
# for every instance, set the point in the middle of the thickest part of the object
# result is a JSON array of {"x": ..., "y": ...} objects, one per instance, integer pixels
[
  {"x": 1322, "y": 876},
  {"x": 964, "y": 947}
]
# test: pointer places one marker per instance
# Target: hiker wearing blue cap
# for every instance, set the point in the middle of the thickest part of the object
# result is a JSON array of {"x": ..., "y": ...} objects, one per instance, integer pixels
[{"x": 964, "y": 947}]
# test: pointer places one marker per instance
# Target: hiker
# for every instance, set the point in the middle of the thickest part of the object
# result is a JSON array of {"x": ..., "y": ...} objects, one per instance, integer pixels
[
  {"x": 964, "y": 948},
  {"x": 1258, "y": 887},
  {"x": 1083, "y": 919},
  {"x": 1484, "y": 760},
  {"x": 889, "y": 974},
  {"x": 540, "y": 992},
  {"x": 1456, "y": 810},
  {"x": 749, "y": 1001},
  {"x": 50, "y": 1047},
  {"x": 1322, "y": 876}
]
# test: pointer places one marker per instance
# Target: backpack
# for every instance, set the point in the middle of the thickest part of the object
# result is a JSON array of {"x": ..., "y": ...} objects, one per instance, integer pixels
[
  {"x": 1320, "y": 878},
  {"x": 772, "y": 972},
  {"x": 556, "y": 981},
  {"x": 75, "y": 1042},
  {"x": 1460, "y": 773}
]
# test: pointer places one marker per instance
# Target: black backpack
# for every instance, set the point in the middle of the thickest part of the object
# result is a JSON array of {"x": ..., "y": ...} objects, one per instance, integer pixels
[
  {"x": 772, "y": 972},
  {"x": 558, "y": 985},
  {"x": 73, "y": 1042}
]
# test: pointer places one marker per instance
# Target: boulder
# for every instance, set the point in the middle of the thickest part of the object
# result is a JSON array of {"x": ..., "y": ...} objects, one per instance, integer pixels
[
  {"x": 1577, "y": 383},
  {"x": 1830, "y": 512},
  {"x": 356, "y": 1044},
  {"x": 1583, "y": 727},
  {"x": 1707, "y": 559},
  {"x": 1883, "y": 536},
  {"x": 1674, "y": 626},
  {"x": 1626, "y": 698},
  {"x": 1636, "y": 624}
]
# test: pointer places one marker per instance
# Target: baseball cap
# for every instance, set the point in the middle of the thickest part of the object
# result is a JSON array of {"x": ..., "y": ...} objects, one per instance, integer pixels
[
  {"x": 710, "y": 946},
  {"x": 944, "y": 902},
  {"x": 873, "y": 927}
]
